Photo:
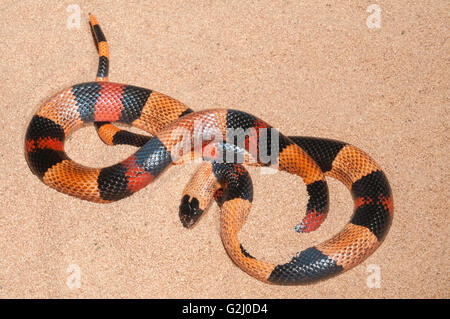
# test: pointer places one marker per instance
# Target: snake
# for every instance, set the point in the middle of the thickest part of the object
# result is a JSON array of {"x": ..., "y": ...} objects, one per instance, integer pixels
[{"x": 177, "y": 135}]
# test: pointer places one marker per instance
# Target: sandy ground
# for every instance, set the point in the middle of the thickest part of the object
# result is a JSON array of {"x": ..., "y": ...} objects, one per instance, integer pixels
[{"x": 310, "y": 68}]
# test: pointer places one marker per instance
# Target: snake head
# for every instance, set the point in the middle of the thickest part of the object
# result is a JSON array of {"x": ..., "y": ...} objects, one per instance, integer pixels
[{"x": 190, "y": 211}]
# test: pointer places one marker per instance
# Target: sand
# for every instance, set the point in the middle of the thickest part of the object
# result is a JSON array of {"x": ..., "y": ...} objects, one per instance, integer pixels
[{"x": 310, "y": 68}]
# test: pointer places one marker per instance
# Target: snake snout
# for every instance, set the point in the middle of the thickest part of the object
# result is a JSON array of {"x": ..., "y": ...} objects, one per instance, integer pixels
[{"x": 190, "y": 211}]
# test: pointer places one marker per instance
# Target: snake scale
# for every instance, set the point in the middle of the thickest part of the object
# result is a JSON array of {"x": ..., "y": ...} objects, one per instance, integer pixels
[{"x": 219, "y": 178}]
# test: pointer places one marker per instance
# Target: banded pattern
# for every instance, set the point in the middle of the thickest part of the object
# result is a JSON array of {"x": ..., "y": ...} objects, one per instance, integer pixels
[
  {"x": 112, "y": 102},
  {"x": 360, "y": 237},
  {"x": 102, "y": 48},
  {"x": 176, "y": 131}
]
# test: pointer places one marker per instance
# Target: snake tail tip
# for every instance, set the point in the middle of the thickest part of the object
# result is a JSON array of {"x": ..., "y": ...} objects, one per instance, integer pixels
[
  {"x": 301, "y": 228},
  {"x": 298, "y": 228}
]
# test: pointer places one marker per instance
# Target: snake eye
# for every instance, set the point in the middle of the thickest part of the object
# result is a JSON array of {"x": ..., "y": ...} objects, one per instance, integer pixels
[{"x": 190, "y": 211}]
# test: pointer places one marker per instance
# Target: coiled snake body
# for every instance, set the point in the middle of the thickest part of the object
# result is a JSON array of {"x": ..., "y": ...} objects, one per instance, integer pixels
[{"x": 227, "y": 181}]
